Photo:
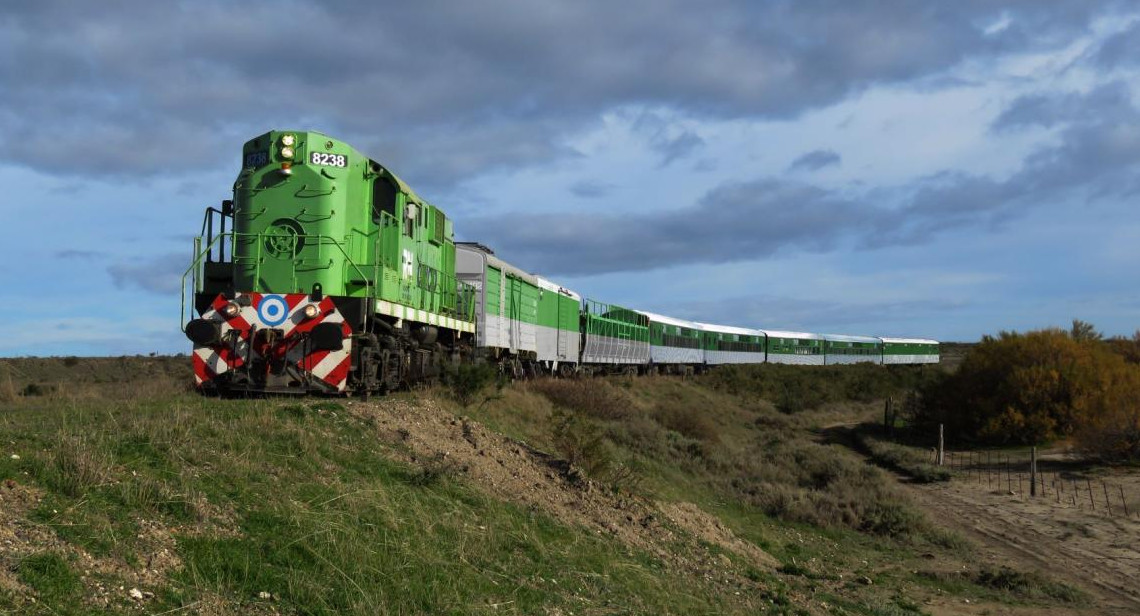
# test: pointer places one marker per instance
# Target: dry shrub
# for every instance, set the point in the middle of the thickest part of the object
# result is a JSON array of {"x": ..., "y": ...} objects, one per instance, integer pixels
[
  {"x": 78, "y": 465},
  {"x": 691, "y": 422},
  {"x": 7, "y": 388},
  {"x": 592, "y": 397},
  {"x": 583, "y": 444}
]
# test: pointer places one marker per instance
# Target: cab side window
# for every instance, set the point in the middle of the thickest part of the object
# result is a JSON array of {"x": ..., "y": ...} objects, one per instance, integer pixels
[{"x": 383, "y": 199}]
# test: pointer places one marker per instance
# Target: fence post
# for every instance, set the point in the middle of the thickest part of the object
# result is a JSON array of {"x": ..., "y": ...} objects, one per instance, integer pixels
[
  {"x": 1008, "y": 476},
  {"x": 941, "y": 449},
  {"x": 1092, "y": 503},
  {"x": 1107, "y": 506},
  {"x": 1033, "y": 471},
  {"x": 1123, "y": 502}
]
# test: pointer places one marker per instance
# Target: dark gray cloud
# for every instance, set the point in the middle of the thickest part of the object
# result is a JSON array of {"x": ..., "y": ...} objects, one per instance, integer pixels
[
  {"x": 1098, "y": 155},
  {"x": 590, "y": 190},
  {"x": 84, "y": 255},
  {"x": 815, "y": 160},
  {"x": 132, "y": 88},
  {"x": 161, "y": 274},
  {"x": 1120, "y": 49},
  {"x": 1050, "y": 109}
]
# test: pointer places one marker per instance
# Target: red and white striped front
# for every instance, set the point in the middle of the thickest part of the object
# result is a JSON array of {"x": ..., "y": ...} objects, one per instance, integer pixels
[{"x": 284, "y": 313}]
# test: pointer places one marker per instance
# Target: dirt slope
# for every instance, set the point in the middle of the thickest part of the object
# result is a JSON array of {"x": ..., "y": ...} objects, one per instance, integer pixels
[{"x": 510, "y": 470}]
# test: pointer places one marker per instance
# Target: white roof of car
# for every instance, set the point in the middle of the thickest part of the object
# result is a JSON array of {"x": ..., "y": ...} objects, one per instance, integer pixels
[
  {"x": 846, "y": 338},
  {"x": 910, "y": 341},
  {"x": 775, "y": 333},
  {"x": 729, "y": 329},
  {"x": 660, "y": 318}
]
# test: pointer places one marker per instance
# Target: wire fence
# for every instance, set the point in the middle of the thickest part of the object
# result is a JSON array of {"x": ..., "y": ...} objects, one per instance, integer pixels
[{"x": 1013, "y": 474}]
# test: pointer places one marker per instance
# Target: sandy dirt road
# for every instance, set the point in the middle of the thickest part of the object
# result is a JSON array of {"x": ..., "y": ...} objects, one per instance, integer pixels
[{"x": 1094, "y": 551}]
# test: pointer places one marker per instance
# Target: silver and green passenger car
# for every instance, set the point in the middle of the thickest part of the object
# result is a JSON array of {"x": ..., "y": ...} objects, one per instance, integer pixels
[
  {"x": 843, "y": 349},
  {"x": 673, "y": 341},
  {"x": 799, "y": 348},
  {"x": 910, "y": 351},
  {"x": 725, "y": 344}
]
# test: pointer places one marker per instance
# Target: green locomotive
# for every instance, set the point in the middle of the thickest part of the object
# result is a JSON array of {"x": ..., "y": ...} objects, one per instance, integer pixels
[{"x": 325, "y": 273}]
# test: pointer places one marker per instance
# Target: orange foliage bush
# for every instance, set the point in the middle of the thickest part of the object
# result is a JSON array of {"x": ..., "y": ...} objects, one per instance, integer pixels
[{"x": 1038, "y": 387}]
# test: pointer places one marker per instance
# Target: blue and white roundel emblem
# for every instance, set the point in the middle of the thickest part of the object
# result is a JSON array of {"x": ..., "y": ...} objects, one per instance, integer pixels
[{"x": 272, "y": 310}]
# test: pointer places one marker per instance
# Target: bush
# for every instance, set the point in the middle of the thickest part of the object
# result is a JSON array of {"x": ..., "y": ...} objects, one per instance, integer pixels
[
  {"x": 1034, "y": 388},
  {"x": 467, "y": 381},
  {"x": 800, "y": 388},
  {"x": 688, "y": 421},
  {"x": 592, "y": 397}
]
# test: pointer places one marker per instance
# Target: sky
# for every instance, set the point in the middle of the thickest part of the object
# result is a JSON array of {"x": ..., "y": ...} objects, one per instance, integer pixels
[{"x": 882, "y": 167}]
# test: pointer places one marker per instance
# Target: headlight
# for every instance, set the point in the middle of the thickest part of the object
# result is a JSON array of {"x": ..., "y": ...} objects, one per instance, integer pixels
[
  {"x": 288, "y": 140},
  {"x": 311, "y": 311},
  {"x": 286, "y": 152},
  {"x": 231, "y": 310}
]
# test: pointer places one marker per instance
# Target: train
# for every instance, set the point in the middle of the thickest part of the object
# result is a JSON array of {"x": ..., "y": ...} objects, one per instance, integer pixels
[{"x": 327, "y": 274}]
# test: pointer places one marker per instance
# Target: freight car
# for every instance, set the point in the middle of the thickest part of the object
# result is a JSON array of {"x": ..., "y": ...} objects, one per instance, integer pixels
[{"x": 326, "y": 273}]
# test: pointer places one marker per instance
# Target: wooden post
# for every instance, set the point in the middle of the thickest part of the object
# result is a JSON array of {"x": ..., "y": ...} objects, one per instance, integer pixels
[
  {"x": 1033, "y": 471},
  {"x": 1107, "y": 506},
  {"x": 1008, "y": 476},
  {"x": 1092, "y": 503},
  {"x": 941, "y": 447},
  {"x": 1122, "y": 501},
  {"x": 1073, "y": 482}
]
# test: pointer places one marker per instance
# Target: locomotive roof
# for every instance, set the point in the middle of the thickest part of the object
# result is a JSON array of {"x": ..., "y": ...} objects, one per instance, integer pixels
[
  {"x": 910, "y": 341},
  {"x": 847, "y": 338},
  {"x": 775, "y": 333},
  {"x": 551, "y": 286},
  {"x": 498, "y": 263},
  {"x": 660, "y": 318}
]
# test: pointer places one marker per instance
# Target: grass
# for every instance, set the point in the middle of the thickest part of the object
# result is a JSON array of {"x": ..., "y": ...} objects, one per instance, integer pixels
[
  {"x": 910, "y": 461},
  {"x": 300, "y": 500}
]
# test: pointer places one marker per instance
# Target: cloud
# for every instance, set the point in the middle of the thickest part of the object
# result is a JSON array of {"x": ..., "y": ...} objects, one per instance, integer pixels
[
  {"x": 815, "y": 160},
  {"x": 1097, "y": 156},
  {"x": 1051, "y": 109},
  {"x": 139, "y": 88},
  {"x": 590, "y": 190},
  {"x": 84, "y": 255},
  {"x": 1121, "y": 49},
  {"x": 161, "y": 274}
]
